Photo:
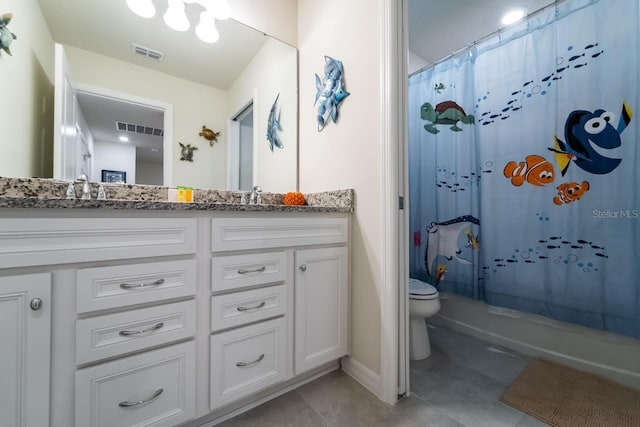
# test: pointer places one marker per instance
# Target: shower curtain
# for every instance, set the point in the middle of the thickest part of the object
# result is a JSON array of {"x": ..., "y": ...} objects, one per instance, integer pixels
[{"x": 523, "y": 167}]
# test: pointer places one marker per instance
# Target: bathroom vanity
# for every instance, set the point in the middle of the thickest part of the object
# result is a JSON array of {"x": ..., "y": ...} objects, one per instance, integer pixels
[{"x": 149, "y": 312}]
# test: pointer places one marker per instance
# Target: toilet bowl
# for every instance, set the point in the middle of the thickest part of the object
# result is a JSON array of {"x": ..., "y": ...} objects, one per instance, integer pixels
[{"x": 423, "y": 303}]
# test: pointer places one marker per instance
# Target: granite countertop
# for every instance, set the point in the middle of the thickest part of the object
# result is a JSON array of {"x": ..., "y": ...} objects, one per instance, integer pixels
[{"x": 50, "y": 194}]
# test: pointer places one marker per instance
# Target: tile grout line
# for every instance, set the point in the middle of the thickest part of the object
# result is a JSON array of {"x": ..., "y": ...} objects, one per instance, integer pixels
[{"x": 313, "y": 409}]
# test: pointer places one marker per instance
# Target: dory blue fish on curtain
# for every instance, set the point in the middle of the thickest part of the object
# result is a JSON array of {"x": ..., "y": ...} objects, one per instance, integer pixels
[
  {"x": 6, "y": 36},
  {"x": 330, "y": 92},
  {"x": 558, "y": 231},
  {"x": 273, "y": 124}
]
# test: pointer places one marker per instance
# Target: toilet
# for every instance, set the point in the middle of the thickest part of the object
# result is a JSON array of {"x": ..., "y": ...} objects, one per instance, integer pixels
[{"x": 423, "y": 303}]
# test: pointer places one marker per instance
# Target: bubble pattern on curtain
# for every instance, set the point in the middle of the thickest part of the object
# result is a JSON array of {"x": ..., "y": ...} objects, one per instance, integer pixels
[{"x": 524, "y": 168}]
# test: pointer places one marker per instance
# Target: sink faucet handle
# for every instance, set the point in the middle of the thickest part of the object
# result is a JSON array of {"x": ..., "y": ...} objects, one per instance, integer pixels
[{"x": 86, "y": 188}]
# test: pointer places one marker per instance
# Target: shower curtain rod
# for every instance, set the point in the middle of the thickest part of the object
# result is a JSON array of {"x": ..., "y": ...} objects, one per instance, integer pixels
[{"x": 481, "y": 39}]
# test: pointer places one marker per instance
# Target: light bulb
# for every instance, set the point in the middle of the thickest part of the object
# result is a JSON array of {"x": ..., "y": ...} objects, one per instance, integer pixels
[
  {"x": 175, "y": 16},
  {"x": 514, "y": 16},
  {"x": 219, "y": 9},
  {"x": 143, "y": 8},
  {"x": 206, "y": 29}
]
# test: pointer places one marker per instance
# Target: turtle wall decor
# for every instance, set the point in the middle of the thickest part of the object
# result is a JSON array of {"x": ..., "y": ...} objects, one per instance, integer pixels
[
  {"x": 186, "y": 152},
  {"x": 445, "y": 113},
  {"x": 209, "y": 135}
]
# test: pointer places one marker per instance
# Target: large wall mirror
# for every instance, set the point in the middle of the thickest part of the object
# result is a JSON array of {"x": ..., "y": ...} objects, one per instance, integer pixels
[{"x": 131, "y": 92}]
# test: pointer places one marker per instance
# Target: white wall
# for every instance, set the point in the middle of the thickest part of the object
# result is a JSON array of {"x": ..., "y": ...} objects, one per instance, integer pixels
[
  {"x": 273, "y": 70},
  {"x": 26, "y": 121},
  {"x": 278, "y": 18},
  {"x": 116, "y": 157},
  {"x": 194, "y": 105},
  {"x": 416, "y": 62},
  {"x": 347, "y": 154}
]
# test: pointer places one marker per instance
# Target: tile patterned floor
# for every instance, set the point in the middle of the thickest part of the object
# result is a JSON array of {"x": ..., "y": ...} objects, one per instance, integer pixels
[{"x": 458, "y": 386}]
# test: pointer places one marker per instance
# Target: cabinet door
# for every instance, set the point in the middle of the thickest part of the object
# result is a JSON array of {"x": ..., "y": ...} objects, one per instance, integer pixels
[
  {"x": 25, "y": 349},
  {"x": 321, "y": 298}
]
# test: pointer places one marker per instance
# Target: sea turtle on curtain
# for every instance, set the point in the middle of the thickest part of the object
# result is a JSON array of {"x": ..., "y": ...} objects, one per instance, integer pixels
[{"x": 445, "y": 113}]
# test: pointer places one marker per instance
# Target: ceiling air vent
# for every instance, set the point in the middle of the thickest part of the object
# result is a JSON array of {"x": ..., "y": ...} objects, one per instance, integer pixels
[
  {"x": 135, "y": 128},
  {"x": 146, "y": 52}
]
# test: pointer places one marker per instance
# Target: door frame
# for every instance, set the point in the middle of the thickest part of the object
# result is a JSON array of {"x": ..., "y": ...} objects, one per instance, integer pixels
[
  {"x": 233, "y": 144},
  {"x": 394, "y": 366}
]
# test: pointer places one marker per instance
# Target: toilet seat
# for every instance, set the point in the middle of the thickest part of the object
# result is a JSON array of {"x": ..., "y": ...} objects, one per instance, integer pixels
[{"x": 419, "y": 290}]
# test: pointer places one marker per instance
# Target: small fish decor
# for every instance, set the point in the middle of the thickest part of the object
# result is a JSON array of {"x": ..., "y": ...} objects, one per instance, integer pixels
[
  {"x": 331, "y": 91},
  {"x": 209, "y": 135},
  {"x": 6, "y": 36},
  {"x": 186, "y": 152},
  {"x": 273, "y": 124}
]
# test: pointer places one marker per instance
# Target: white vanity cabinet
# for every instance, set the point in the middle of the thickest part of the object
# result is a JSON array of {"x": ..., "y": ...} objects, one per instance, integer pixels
[
  {"x": 165, "y": 318},
  {"x": 321, "y": 306},
  {"x": 25, "y": 320},
  {"x": 280, "y": 299}
]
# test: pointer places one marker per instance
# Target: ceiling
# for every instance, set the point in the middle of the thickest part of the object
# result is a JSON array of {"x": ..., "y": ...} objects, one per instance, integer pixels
[
  {"x": 108, "y": 27},
  {"x": 439, "y": 27}
]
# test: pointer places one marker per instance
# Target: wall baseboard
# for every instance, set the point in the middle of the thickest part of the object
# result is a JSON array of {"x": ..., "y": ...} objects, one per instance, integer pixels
[
  {"x": 608, "y": 355},
  {"x": 365, "y": 376}
]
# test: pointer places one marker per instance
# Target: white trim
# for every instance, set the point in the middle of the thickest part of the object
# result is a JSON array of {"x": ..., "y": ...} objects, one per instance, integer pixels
[
  {"x": 365, "y": 376},
  {"x": 167, "y": 155},
  {"x": 404, "y": 371},
  {"x": 391, "y": 132},
  {"x": 233, "y": 155}
]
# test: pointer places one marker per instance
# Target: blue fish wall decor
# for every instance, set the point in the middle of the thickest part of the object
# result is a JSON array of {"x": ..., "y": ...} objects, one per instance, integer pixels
[
  {"x": 273, "y": 124},
  {"x": 6, "y": 36},
  {"x": 331, "y": 92}
]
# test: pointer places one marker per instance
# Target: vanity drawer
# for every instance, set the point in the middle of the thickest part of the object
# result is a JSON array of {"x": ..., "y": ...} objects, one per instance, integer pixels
[
  {"x": 239, "y": 271},
  {"x": 245, "y": 307},
  {"x": 120, "y": 286},
  {"x": 115, "y": 334},
  {"x": 232, "y": 234},
  {"x": 36, "y": 241},
  {"x": 154, "y": 388},
  {"x": 247, "y": 360}
]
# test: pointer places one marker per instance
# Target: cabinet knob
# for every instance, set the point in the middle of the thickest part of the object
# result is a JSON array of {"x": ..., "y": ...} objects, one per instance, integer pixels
[
  {"x": 35, "y": 304},
  {"x": 303, "y": 267}
]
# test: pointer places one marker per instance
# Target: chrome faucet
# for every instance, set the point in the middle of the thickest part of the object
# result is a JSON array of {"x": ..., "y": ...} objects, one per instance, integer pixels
[
  {"x": 86, "y": 188},
  {"x": 255, "y": 197}
]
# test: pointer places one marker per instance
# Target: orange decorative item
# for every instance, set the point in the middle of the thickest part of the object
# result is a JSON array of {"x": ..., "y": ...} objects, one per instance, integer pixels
[{"x": 294, "y": 198}]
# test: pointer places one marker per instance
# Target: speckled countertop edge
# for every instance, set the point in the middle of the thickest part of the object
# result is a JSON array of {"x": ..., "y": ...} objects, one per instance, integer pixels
[{"x": 41, "y": 193}]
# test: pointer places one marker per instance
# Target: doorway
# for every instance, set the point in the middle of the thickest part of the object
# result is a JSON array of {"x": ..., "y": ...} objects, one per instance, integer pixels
[
  {"x": 241, "y": 150},
  {"x": 126, "y": 137}
]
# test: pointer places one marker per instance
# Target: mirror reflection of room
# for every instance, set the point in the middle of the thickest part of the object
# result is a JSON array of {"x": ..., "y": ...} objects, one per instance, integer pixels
[{"x": 135, "y": 94}]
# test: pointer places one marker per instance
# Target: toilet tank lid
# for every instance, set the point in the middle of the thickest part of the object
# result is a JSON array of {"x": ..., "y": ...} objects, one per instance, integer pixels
[{"x": 418, "y": 287}]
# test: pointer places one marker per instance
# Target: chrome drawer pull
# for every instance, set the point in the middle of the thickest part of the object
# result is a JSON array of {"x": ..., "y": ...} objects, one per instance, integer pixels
[
  {"x": 262, "y": 304},
  {"x": 143, "y": 331},
  {"x": 259, "y": 359},
  {"x": 125, "y": 404},
  {"x": 141, "y": 285},
  {"x": 257, "y": 270}
]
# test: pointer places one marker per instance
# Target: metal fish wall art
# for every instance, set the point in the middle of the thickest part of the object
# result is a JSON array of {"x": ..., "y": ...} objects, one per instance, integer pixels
[{"x": 330, "y": 92}]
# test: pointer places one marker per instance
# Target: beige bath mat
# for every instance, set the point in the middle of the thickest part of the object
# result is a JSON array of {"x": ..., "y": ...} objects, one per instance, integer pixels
[{"x": 564, "y": 397}]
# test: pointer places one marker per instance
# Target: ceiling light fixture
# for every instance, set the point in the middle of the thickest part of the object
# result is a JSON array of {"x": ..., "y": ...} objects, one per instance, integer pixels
[
  {"x": 143, "y": 8},
  {"x": 513, "y": 16},
  {"x": 123, "y": 138},
  {"x": 176, "y": 18}
]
